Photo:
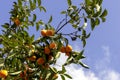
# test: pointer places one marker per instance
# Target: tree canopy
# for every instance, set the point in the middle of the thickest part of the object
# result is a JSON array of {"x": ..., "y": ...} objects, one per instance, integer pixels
[{"x": 23, "y": 57}]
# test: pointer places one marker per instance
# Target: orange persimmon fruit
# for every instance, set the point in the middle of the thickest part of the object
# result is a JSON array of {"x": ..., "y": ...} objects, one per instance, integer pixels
[
  {"x": 47, "y": 50},
  {"x": 63, "y": 49},
  {"x": 17, "y": 21},
  {"x": 3, "y": 73},
  {"x": 40, "y": 61},
  {"x": 32, "y": 58},
  {"x": 43, "y": 32},
  {"x": 50, "y": 33},
  {"x": 68, "y": 48},
  {"x": 52, "y": 45}
]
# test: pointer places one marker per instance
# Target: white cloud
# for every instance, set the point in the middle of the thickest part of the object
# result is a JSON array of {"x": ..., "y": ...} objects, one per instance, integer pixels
[
  {"x": 106, "y": 53},
  {"x": 109, "y": 75},
  {"x": 80, "y": 74},
  {"x": 105, "y": 59},
  {"x": 103, "y": 72}
]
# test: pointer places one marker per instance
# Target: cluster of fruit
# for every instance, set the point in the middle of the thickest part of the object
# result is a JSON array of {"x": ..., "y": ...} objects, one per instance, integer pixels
[
  {"x": 64, "y": 49},
  {"x": 47, "y": 58},
  {"x": 47, "y": 32}
]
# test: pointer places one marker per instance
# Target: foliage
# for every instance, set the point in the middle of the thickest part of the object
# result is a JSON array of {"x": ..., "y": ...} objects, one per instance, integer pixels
[{"x": 27, "y": 58}]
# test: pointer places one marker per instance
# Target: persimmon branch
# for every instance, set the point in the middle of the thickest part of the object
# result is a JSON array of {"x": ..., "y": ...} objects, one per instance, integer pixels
[
  {"x": 72, "y": 33},
  {"x": 60, "y": 24},
  {"x": 63, "y": 26},
  {"x": 58, "y": 29}
]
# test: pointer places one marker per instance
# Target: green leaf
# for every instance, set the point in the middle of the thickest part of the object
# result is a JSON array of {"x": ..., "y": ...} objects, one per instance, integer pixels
[
  {"x": 54, "y": 69},
  {"x": 1, "y": 64},
  {"x": 87, "y": 36},
  {"x": 14, "y": 73},
  {"x": 100, "y": 2},
  {"x": 42, "y": 8},
  {"x": 80, "y": 55},
  {"x": 104, "y": 13},
  {"x": 63, "y": 70},
  {"x": 20, "y": 2},
  {"x": 97, "y": 21},
  {"x": 85, "y": 19},
  {"x": 34, "y": 1},
  {"x": 32, "y": 37},
  {"x": 41, "y": 22},
  {"x": 30, "y": 2},
  {"x": 83, "y": 37},
  {"x": 62, "y": 77},
  {"x": 92, "y": 23},
  {"x": 87, "y": 2},
  {"x": 33, "y": 5},
  {"x": 1, "y": 60},
  {"x": 57, "y": 55},
  {"x": 98, "y": 13},
  {"x": 69, "y": 59},
  {"x": 83, "y": 32},
  {"x": 6, "y": 25},
  {"x": 69, "y": 2},
  {"x": 50, "y": 20},
  {"x": 103, "y": 19},
  {"x": 37, "y": 26},
  {"x": 63, "y": 12},
  {"x": 74, "y": 7},
  {"x": 48, "y": 76},
  {"x": 71, "y": 21},
  {"x": 68, "y": 76},
  {"x": 39, "y": 2},
  {"x": 66, "y": 41},
  {"x": 11, "y": 55},
  {"x": 95, "y": 1},
  {"x": 89, "y": 12},
  {"x": 34, "y": 17},
  {"x": 84, "y": 42},
  {"x": 75, "y": 26},
  {"x": 83, "y": 65}
]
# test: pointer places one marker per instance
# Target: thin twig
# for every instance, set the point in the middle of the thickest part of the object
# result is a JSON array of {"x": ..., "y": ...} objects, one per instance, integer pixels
[
  {"x": 75, "y": 32},
  {"x": 63, "y": 25},
  {"x": 65, "y": 19},
  {"x": 66, "y": 22},
  {"x": 60, "y": 24}
]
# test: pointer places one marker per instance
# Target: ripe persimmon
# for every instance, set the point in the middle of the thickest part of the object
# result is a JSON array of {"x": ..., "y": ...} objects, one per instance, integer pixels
[
  {"x": 63, "y": 49},
  {"x": 50, "y": 33},
  {"x": 16, "y": 21},
  {"x": 52, "y": 45},
  {"x": 47, "y": 50},
  {"x": 32, "y": 58},
  {"x": 3, "y": 73},
  {"x": 67, "y": 54},
  {"x": 43, "y": 32},
  {"x": 23, "y": 74},
  {"x": 68, "y": 48},
  {"x": 40, "y": 61}
]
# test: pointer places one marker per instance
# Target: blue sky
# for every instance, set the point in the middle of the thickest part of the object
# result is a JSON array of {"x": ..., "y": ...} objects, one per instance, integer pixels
[{"x": 103, "y": 46}]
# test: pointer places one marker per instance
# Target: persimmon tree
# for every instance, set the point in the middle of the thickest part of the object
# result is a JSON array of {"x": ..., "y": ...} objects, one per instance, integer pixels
[{"x": 23, "y": 57}]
